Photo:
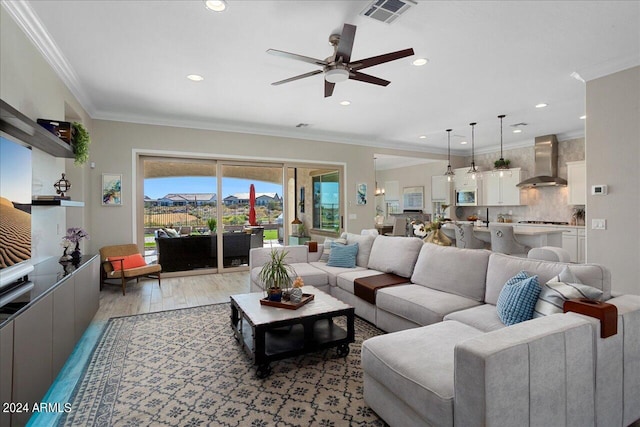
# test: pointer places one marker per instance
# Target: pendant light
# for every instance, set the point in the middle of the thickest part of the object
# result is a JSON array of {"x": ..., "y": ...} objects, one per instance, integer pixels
[
  {"x": 501, "y": 166},
  {"x": 450, "y": 174},
  {"x": 473, "y": 170},
  {"x": 379, "y": 190}
]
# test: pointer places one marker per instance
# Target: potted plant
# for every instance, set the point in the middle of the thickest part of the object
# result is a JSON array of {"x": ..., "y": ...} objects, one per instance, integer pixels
[
  {"x": 212, "y": 223},
  {"x": 276, "y": 275},
  {"x": 502, "y": 163},
  {"x": 578, "y": 216},
  {"x": 80, "y": 143}
]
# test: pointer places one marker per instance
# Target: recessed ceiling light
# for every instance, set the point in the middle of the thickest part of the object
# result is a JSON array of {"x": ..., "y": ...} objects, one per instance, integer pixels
[
  {"x": 195, "y": 77},
  {"x": 345, "y": 102},
  {"x": 423, "y": 137},
  {"x": 541, "y": 105},
  {"x": 420, "y": 62},
  {"x": 517, "y": 131},
  {"x": 216, "y": 5},
  {"x": 463, "y": 142},
  {"x": 583, "y": 117}
]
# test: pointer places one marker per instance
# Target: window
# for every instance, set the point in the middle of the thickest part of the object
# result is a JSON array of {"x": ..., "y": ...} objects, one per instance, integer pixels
[{"x": 326, "y": 202}]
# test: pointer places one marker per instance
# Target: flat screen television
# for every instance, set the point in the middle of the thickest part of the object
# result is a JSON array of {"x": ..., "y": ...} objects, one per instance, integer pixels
[{"x": 15, "y": 209}]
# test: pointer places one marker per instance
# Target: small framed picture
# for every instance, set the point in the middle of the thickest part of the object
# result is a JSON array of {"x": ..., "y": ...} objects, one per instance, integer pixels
[
  {"x": 361, "y": 193},
  {"x": 111, "y": 189}
]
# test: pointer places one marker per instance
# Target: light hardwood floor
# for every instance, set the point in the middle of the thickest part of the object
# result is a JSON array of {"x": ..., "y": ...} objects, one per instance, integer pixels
[{"x": 175, "y": 292}]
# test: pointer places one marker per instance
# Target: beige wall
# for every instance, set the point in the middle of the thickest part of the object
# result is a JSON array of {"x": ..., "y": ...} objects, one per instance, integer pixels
[
  {"x": 613, "y": 158},
  {"x": 29, "y": 84}
]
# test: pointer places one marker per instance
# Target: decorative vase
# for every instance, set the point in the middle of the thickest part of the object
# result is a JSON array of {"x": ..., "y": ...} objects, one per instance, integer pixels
[
  {"x": 296, "y": 295},
  {"x": 437, "y": 237},
  {"x": 76, "y": 254},
  {"x": 65, "y": 256}
]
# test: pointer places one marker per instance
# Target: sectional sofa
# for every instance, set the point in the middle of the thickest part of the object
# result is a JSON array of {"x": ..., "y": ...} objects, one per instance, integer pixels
[{"x": 449, "y": 360}]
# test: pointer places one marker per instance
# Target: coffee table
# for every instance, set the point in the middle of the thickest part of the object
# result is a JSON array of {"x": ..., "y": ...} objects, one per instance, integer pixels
[{"x": 269, "y": 333}]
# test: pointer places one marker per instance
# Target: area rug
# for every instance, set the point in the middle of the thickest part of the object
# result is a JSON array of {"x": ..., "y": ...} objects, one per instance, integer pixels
[{"x": 185, "y": 368}]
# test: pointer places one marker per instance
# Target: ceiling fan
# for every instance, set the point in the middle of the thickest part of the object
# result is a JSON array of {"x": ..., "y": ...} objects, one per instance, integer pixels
[{"x": 339, "y": 67}]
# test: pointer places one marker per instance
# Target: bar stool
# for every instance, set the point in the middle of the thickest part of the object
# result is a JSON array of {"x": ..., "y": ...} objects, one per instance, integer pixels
[
  {"x": 504, "y": 241},
  {"x": 550, "y": 253},
  {"x": 465, "y": 237}
]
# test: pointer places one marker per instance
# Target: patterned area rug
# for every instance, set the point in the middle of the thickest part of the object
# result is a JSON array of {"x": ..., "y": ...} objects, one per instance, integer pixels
[{"x": 185, "y": 368}]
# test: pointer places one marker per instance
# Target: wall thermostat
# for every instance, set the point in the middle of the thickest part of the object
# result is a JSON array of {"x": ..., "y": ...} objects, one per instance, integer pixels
[{"x": 598, "y": 190}]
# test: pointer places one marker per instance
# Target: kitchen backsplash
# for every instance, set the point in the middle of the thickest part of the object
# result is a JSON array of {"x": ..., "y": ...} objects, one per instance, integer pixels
[{"x": 547, "y": 203}]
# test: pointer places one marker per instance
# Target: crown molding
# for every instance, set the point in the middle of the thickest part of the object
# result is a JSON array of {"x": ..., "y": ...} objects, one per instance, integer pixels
[{"x": 30, "y": 24}]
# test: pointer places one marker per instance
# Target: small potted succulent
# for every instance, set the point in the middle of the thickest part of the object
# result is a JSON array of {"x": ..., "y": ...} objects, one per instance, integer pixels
[{"x": 276, "y": 275}]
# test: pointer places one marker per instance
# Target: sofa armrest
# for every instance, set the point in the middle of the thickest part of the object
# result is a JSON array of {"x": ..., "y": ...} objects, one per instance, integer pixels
[
  {"x": 536, "y": 372},
  {"x": 296, "y": 253}
]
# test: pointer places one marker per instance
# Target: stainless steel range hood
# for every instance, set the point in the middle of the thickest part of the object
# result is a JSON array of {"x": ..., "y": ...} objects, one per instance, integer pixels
[{"x": 546, "y": 164}]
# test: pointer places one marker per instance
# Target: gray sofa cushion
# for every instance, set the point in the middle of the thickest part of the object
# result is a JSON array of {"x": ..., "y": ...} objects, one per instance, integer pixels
[
  {"x": 416, "y": 365},
  {"x": 453, "y": 270},
  {"x": 365, "y": 242},
  {"x": 311, "y": 275},
  {"x": 502, "y": 267},
  {"x": 396, "y": 255},
  {"x": 483, "y": 317},
  {"x": 333, "y": 272},
  {"x": 419, "y": 304}
]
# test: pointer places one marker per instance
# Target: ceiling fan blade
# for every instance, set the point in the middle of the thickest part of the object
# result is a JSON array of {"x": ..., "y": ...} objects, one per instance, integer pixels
[
  {"x": 380, "y": 59},
  {"x": 297, "y": 57},
  {"x": 301, "y": 76},
  {"x": 328, "y": 88},
  {"x": 362, "y": 77},
  {"x": 345, "y": 45}
]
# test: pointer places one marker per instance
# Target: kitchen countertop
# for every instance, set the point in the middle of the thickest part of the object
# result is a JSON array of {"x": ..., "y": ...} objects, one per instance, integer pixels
[{"x": 524, "y": 229}]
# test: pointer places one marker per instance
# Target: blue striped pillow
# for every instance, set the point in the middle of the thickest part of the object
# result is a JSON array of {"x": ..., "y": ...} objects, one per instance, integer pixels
[
  {"x": 343, "y": 255},
  {"x": 518, "y": 299}
]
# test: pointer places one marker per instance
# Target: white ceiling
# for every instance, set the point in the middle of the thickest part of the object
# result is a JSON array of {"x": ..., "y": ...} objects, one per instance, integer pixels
[{"x": 127, "y": 60}]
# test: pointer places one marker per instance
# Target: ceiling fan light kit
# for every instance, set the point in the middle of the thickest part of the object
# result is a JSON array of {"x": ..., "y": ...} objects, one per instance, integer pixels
[
  {"x": 339, "y": 67},
  {"x": 336, "y": 75}
]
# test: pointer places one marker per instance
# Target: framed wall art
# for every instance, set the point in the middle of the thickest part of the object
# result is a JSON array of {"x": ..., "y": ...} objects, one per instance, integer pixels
[
  {"x": 111, "y": 189},
  {"x": 361, "y": 193},
  {"x": 412, "y": 198}
]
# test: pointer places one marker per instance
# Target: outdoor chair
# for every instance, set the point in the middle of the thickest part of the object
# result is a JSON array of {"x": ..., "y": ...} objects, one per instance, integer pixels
[{"x": 122, "y": 263}]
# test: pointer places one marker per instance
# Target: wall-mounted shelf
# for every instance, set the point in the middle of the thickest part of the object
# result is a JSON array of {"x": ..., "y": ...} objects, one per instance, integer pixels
[
  {"x": 63, "y": 203},
  {"x": 16, "y": 124}
]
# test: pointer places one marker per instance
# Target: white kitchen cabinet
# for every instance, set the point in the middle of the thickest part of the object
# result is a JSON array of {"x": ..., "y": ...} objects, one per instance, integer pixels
[
  {"x": 441, "y": 189},
  {"x": 463, "y": 180},
  {"x": 577, "y": 182},
  {"x": 570, "y": 243},
  {"x": 502, "y": 191},
  {"x": 574, "y": 242},
  {"x": 582, "y": 245}
]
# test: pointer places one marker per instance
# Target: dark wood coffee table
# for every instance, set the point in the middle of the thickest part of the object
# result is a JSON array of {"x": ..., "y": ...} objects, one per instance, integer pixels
[{"x": 269, "y": 333}]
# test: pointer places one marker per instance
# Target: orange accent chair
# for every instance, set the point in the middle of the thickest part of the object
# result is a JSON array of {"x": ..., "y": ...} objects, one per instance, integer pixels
[{"x": 123, "y": 263}]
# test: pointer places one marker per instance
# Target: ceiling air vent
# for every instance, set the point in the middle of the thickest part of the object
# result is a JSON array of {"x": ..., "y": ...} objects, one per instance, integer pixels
[{"x": 387, "y": 10}]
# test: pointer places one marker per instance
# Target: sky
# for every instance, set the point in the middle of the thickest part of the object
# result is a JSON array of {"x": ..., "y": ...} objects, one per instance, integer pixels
[
  {"x": 160, "y": 187},
  {"x": 15, "y": 172}
]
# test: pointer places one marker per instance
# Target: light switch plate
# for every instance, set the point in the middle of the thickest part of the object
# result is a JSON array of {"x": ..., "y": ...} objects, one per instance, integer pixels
[{"x": 598, "y": 224}]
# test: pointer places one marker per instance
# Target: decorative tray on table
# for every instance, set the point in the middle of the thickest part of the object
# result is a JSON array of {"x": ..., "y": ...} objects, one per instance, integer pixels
[{"x": 286, "y": 303}]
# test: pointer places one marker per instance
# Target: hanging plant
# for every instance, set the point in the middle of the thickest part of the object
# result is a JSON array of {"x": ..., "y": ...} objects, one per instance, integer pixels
[{"x": 80, "y": 143}]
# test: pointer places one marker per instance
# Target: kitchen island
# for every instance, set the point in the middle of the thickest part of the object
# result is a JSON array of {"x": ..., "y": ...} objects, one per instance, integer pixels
[{"x": 533, "y": 237}]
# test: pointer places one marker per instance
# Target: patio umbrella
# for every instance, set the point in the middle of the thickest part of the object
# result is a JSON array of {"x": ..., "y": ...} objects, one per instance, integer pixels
[{"x": 252, "y": 205}]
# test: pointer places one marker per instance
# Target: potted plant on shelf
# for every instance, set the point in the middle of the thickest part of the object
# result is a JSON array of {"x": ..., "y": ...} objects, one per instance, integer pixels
[
  {"x": 80, "y": 142},
  {"x": 501, "y": 163},
  {"x": 276, "y": 275}
]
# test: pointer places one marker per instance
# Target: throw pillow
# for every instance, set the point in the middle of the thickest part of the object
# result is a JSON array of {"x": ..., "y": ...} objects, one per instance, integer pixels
[
  {"x": 554, "y": 293},
  {"x": 326, "y": 248},
  {"x": 518, "y": 298},
  {"x": 566, "y": 275},
  {"x": 343, "y": 255},
  {"x": 128, "y": 261},
  {"x": 172, "y": 232}
]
